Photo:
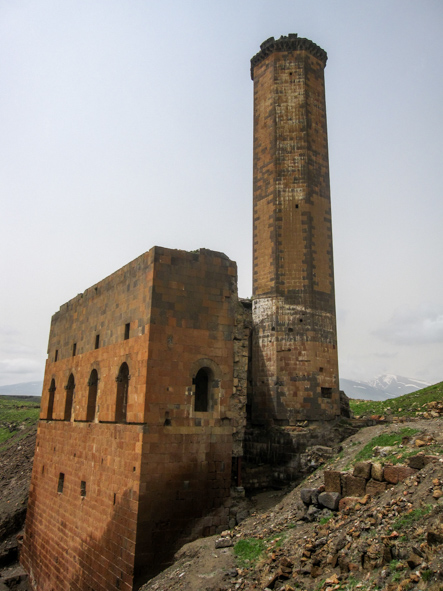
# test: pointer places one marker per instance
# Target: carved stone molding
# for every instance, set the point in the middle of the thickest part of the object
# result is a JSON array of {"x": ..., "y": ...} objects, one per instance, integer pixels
[{"x": 287, "y": 43}]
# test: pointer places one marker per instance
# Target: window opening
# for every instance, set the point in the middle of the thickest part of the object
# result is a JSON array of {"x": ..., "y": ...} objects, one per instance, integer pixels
[
  {"x": 69, "y": 398},
  {"x": 202, "y": 390},
  {"x": 97, "y": 341},
  {"x": 83, "y": 488},
  {"x": 122, "y": 393},
  {"x": 51, "y": 400},
  {"x": 56, "y": 355},
  {"x": 61, "y": 482},
  {"x": 326, "y": 392},
  {"x": 74, "y": 349},
  {"x": 127, "y": 328},
  {"x": 92, "y": 395}
]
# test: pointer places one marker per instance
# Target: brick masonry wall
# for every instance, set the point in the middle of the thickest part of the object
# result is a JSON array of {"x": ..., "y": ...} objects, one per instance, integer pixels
[
  {"x": 74, "y": 542},
  {"x": 295, "y": 344},
  {"x": 150, "y": 482}
]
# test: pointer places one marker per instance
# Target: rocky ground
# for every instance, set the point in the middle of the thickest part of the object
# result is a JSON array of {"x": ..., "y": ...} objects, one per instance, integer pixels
[
  {"x": 16, "y": 458},
  {"x": 391, "y": 542}
]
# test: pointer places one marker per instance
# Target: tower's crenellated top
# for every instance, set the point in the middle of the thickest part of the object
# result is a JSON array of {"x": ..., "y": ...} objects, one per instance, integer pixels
[{"x": 290, "y": 42}]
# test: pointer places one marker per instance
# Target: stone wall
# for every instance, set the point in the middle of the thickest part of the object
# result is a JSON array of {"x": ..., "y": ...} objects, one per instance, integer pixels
[
  {"x": 295, "y": 373},
  {"x": 114, "y": 494}
]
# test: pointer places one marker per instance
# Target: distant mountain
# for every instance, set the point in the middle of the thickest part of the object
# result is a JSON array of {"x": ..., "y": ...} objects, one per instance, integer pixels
[
  {"x": 397, "y": 385},
  {"x": 381, "y": 388},
  {"x": 22, "y": 389}
]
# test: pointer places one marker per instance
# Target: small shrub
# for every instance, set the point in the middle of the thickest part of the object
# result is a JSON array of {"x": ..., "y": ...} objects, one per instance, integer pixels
[
  {"x": 426, "y": 575},
  {"x": 248, "y": 551}
]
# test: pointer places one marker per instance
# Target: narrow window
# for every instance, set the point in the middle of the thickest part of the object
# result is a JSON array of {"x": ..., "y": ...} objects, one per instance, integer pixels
[
  {"x": 92, "y": 395},
  {"x": 202, "y": 382},
  {"x": 83, "y": 488},
  {"x": 56, "y": 355},
  {"x": 127, "y": 327},
  {"x": 51, "y": 400},
  {"x": 61, "y": 482},
  {"x": 74, "y": 349},
  {"x": 70, "y": 386},
  {"x": 122, "y": 393},
  {"x": 97, "y": 341}
]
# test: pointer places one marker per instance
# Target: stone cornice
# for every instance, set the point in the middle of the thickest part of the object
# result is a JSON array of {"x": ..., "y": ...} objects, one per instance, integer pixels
[{"x": 290, "y": 43}]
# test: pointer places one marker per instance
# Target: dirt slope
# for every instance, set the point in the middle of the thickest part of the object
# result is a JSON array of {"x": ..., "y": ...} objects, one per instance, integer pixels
[{"x": 391, "y": 542}]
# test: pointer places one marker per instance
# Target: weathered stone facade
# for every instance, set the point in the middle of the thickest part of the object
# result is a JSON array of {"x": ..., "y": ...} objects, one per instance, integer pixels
[
  {"x": 295, "y": 343},
  {"x": 159, "y": 380}
]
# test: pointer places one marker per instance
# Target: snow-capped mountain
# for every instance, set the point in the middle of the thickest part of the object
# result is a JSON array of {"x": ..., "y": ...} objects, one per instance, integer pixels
[
  {"x": 397, "y": 385},
  {"x": 382, "y": 387}
]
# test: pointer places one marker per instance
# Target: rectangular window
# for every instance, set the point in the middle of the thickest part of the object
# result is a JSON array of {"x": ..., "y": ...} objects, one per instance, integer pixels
[
  {"x": 56, "y": 355},
  {"x": 97, "y": 341},
  {"x": 61, "y": 482},
  {"x": 326, "y": 392},
  {"x": 127, "y": 326},
  {"x": 83, "y": 488},
  {"x": 74, "y": 349}
]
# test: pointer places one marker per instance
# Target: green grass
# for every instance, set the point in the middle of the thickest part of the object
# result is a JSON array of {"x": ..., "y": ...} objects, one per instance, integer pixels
[
  {"x": 410, "y": 518},
  {"x": 403, "y": 406},
  {"x": 249, "y": 551},
  {"x": 384, "y": 440},
  {"x": 15, "y": 412}
]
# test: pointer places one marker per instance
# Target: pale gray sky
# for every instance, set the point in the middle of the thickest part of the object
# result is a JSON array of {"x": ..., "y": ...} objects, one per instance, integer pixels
[{"x": 129, "y": 124}]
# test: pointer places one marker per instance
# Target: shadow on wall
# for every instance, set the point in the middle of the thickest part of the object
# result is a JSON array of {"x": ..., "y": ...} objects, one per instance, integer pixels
[{"x": 106, "y": 562}]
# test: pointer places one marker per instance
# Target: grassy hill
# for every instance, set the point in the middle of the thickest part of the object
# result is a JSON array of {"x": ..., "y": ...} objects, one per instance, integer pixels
[
  {"x": 409, "y": 406},
  {"x": 17, "y": 414}
]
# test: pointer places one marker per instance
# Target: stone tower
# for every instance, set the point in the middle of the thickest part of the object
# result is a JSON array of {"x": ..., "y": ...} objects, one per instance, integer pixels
[{"x": 295, "y": 363}]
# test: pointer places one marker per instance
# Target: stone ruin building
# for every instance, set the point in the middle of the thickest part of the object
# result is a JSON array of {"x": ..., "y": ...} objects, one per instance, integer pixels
[{"x": 163, "y": 391}]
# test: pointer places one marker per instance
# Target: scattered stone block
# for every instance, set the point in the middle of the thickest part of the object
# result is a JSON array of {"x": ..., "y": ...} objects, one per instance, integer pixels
[
  {"x": 353, "y": 486},
  {"x": 417, "y": 462},
  {"x": 374, "y": 487},
  {"x": 362, "y": 470},
  {"x": 330, "y": 500},
  {"x": 224, "y": 542},
  {"x": 377, "y": 472},
  {"x": 306, "y": 495},
  {"x": 332, "y": 480},
  {"x": 395, "y": 474}
]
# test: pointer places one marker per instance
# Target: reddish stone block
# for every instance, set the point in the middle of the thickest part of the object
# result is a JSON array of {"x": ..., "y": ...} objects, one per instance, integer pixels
[
  {"x": 395, "y": 474},
  {"x": 353, "y": 486},
  {"x": 375, "y": 487},
  {"x": 362, "y": 470}
]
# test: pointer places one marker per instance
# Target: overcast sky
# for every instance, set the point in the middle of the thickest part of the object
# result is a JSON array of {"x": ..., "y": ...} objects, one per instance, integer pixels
[{"x": 128, "y": 124}]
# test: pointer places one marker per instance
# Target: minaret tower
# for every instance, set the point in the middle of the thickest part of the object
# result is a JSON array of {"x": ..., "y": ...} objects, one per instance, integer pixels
[{"x": 295, "y": 362}]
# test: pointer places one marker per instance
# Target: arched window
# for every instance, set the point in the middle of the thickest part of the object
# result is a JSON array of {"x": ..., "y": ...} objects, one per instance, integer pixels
[
  {"x": 203, "y": 382},
  {"x": 122, "y": 393},
  {"x": 69, "y": 398},
  {"x": 51, "y": 400},
  {"x": 92, "y": 395}
]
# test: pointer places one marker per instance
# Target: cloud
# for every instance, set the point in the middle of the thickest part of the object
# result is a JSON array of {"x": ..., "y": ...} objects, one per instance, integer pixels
[
  {"x": 413, "y": 327},
  {"x": 19, "y": 366}
]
